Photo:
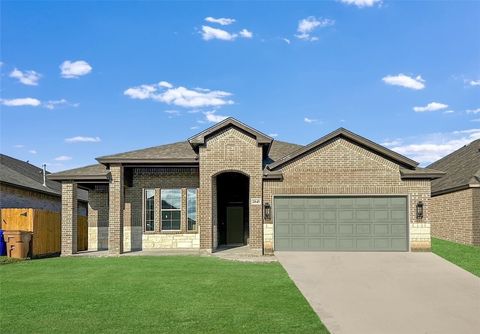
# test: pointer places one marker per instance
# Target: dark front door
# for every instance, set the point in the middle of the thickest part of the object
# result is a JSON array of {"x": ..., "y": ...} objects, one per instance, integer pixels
[
  {"x": 234, "y": 225},
  {"x": 232, "y": 208}
]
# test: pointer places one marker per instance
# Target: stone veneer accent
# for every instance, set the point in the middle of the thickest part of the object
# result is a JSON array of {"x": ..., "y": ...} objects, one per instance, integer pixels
[
  {"x": 342, "y": 167},
  {"x": 69, "y": 218},
  {"x": 456, "y": 216},
  {"x": 170, "y": 241},
  {"x": 229, "y": 151}
]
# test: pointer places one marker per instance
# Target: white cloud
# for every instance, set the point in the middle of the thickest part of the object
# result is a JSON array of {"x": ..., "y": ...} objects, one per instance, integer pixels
[
  {"x": 309, "y": 120},
  {"x": 209, "y": 33},
  {"x": 286, "y": 40},
  {"x": 210, "y": 116},
  {"x": 245, "y": 33},
  {"x": 82, "y": 139},
  {"x": 432, "y": 106},
  {"x": 53, "y": 104},
  {"x": 362, "y": 3},
  {"x": 390, "y": 143},
  {"x": 165, "y": 84},
  {"x": 273, "y": 135},
  {"x": 222, "y": 21},
  {"x": 308, "y": 25},
  {"x": 29, "y": 78},
  {"x": 195, "y": 127},
  {"x": 449, "y": 111},
  {"x": 473, "y": 111},
  {"x": 63, "y": 158},
  {"x": 26, "y": 101},
  {"x": 405, "y": 81},
  {"x": 32, "y": 151},
  {"x": 180, "y": 96},
  {"x": 19, "y": 146},
  {"x": 74, "y": 69},
  {"x": 429, "y": 148},
  {"x": 475, "y": 120},
  {"x": 474, "y": 82}
]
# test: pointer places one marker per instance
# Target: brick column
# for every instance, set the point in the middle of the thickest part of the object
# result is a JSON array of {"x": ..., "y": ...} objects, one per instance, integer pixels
[
  {"x": 69, "y": 218},
  {"x": 116, "y": 207}
]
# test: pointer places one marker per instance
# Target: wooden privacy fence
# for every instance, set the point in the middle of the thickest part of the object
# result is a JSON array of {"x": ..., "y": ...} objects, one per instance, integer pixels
[{"x": 46, "y": 228}]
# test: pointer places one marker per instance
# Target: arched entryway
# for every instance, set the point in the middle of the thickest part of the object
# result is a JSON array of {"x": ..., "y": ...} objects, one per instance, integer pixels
[{"x": 232, "y": 209}]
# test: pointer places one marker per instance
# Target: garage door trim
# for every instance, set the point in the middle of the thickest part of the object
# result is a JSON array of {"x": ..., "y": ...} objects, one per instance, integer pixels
[{"x": 406, "y": 196}]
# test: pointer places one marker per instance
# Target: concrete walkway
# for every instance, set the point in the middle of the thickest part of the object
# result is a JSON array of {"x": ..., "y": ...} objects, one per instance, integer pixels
[{"x": 386, "y": 293}]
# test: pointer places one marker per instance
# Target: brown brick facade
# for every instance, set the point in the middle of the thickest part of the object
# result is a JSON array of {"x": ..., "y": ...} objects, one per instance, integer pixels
[
  {"x": 229, "y": 151},
  {"x": 338, "y": 167},
  {"x": 342, "y": 167},
  {"x": 115, "y": 214},
  {"x": 69, "y": 218},
  {"x": 456, "y": 216}
]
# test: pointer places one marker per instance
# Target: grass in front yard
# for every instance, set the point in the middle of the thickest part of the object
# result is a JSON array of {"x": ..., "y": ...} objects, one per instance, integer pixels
[
  {"x": 177, "y": 294},
  {"x": 464, "y": 256},
  {"x": 8, "y": 260}
]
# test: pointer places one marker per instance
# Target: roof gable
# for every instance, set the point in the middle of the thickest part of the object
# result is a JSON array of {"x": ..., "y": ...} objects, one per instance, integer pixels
[
  {"x": 358, "y": 140},
  {"x": 200, "y": 138},
  {"x": 462, "y": 168}
]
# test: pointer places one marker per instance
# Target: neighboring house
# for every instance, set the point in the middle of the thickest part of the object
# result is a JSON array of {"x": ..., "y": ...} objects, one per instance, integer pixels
[
  {"x": 455, "y": 199},
  {"x": 233, "y": 185},
  {"x": 22, "y": 186}
]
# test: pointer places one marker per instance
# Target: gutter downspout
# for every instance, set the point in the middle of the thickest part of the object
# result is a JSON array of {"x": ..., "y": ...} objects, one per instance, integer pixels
[{"x": 44, "y": 171}]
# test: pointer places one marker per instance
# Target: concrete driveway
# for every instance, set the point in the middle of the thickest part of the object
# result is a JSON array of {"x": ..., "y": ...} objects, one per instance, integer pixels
[{"x": 386, "y": 292}]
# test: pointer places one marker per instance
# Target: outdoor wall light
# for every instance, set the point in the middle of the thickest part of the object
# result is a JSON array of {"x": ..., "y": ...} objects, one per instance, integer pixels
[
  {"x": 268, "y": 211},
  {"x": 420, "y": 210}
]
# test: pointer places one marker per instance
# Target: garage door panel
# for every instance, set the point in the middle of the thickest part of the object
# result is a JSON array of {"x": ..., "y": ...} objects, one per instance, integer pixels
[
  {"x": 345, "y": 215},
  {"x": 363, "y": 229},
  {"x": 329, "y": 229},
  {"x": 314, "y": 229},
  {"x": 329, "y": 215},
  {"x": 345, "y": 229},
  {"x": 282, "y": 229},
  {"x": 341, "y": 223},
  {"x": 298, "y": 229}
]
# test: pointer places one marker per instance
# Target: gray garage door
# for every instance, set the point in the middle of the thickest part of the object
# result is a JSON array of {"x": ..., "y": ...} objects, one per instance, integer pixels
[{"x": 340, "y": 223}]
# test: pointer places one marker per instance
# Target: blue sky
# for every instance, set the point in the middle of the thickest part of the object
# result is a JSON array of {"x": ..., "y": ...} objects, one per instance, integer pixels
[{"x": 85, "y": 79}]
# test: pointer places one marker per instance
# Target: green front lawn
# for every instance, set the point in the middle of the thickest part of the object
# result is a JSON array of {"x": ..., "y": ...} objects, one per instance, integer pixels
[
  {"x": 467, "y": 257},
  {"x": 177, "y": 294}
]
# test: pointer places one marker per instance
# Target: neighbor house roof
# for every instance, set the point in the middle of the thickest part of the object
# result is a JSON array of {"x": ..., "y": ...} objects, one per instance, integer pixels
[
  {"x": 359, "y": 140},
  {"x": 24, "y": 175},
  {"x": 462, "y": 169}
]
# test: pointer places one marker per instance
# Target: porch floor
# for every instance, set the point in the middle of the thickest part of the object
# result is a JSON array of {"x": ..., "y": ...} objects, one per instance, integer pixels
[{"x": 242, "y": 253}]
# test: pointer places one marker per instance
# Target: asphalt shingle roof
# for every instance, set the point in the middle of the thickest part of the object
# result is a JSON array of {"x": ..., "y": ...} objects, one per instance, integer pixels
[
  {"x": 23, "y": 174},
  {"x": 180, "y": 150},
  {"x": 462, "y": 167}
]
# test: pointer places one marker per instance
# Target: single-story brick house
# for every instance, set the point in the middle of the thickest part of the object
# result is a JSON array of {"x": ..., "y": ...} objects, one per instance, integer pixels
[
  {"x": 22, "y": 185},
  {"x": 455, "y": 202},
  {"x": 233, "y": 185}
]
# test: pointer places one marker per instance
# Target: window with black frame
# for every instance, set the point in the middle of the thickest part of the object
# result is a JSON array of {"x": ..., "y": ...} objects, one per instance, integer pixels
[
  {"x": 191, "y": 210},
  {"x": 171, "y": 209},
  {"x": 149, "y": 213}
]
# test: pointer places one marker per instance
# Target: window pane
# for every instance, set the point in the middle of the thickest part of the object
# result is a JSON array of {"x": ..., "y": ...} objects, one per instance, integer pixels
[
  {"x": 171, "y": 198},
  {"x": 192, "y": 209},
  {"x": 171, "y": 220},
  {"x": 149, "y": 209}
]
